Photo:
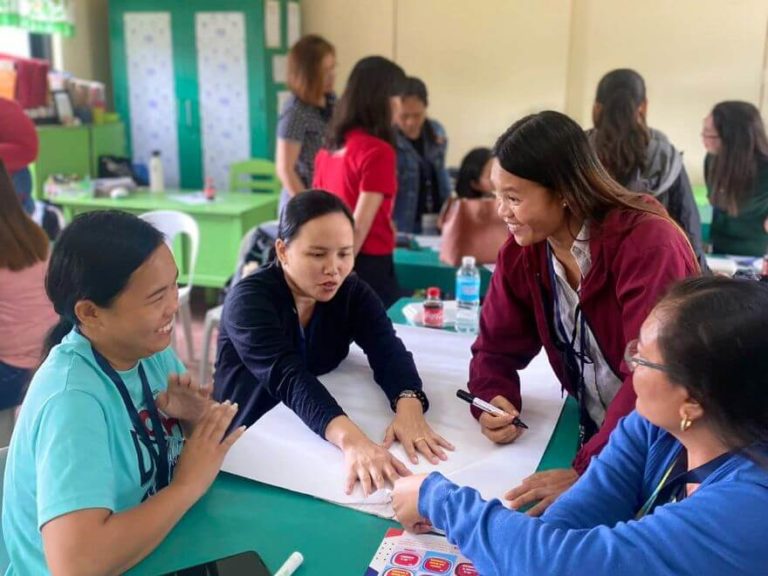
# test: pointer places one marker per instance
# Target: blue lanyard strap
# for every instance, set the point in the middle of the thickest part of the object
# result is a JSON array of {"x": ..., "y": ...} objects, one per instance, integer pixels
[
  {"x": 673, "y": 489},
  {"x": 574, "y": 359},
  {"x": 159, "y": 456}
]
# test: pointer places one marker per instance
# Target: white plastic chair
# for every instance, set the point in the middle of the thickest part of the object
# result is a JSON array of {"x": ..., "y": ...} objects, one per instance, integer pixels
[
  {"x": 4, "y": 560},
  {"x": 213, "y": 316},
  {"x": 172, "y": 224}
]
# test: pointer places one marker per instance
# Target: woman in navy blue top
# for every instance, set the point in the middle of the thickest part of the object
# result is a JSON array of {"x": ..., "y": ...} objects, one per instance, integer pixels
[{"x": 295, "y": 319}]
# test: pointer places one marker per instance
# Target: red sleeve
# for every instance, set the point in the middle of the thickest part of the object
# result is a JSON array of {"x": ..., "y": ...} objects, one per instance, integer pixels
[
  {"x": 18, "y": 137},
  {"x": 642, "y": 276},
  {"x": 317, "y": 178},
  {"x": 508, "y": 338},
  {"x": 378, "y": 171}
]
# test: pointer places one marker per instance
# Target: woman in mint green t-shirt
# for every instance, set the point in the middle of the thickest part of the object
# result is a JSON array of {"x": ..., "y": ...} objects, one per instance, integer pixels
[{"x": 113, "y": 444}]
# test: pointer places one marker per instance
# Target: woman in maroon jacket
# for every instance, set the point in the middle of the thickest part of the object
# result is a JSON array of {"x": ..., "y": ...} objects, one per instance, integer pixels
[{"x": 586, "y": 263}]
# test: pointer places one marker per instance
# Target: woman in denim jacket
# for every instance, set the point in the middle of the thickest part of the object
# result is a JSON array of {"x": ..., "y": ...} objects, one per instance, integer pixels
[{"x": 423, "y": 182}]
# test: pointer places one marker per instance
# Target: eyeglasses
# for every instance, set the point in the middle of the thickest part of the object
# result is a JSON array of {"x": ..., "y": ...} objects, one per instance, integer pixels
[{"x": 633, "y": 360}]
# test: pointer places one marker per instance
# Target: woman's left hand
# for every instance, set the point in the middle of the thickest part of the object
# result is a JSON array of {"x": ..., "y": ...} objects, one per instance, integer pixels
[
  {"x": 412, "y": 431},
  {"x": 184, "y": 400},
  {"x": 405, "y": 501},
  {"x": 543, "y": 488}
]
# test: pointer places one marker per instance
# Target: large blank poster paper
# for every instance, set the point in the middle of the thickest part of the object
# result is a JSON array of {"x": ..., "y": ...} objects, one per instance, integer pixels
[{"x": 280, "y": 450}]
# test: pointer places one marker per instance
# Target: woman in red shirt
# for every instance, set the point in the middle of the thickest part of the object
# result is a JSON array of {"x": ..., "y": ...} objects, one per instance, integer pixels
[
  {"x": 18, "y": 149},
  {"x": 359, "y": 164}
]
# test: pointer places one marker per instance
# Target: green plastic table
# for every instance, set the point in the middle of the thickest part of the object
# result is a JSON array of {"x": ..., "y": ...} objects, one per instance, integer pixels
[
  {"x": 705, "y": 210},
  {"x": 223, "y": 223},
  {"x": 419, "y": 268},
  {"x": 239, "y": 514}
]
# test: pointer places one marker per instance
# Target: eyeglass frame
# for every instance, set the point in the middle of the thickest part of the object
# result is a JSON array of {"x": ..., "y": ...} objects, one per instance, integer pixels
[{"x": 634, "y": 361}]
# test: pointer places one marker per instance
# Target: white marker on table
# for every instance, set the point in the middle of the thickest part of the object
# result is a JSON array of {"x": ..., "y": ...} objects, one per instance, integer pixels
[{"x": 291, "y": 565}]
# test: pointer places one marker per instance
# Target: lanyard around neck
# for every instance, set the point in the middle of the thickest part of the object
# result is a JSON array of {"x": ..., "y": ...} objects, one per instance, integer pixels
[
  {"x": 668, "y": 488},
  {"x": 159, "y": 456},
  {"x": 575, "y": 358}
]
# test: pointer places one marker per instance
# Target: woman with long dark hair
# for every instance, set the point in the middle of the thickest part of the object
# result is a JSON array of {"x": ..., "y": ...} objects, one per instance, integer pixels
[
  {"x": 586, "y": 263},
  {"x": 26, "y": 314},
  {"x": 640, "y": 158},
  {"x": 359, "y": 165},
  {"x": 682, "y": 486},
  {"x": 423, "y": 182},
  {"x": 474, "y": 178},
  {"x": 113, "y": 443},
  {"x": 294, "y": 320},
  {"x": 736, "y": 171}
]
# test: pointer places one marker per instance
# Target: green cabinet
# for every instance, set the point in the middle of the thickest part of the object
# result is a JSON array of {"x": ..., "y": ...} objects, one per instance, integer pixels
[
  {"x": 194, "y": 79},
  {"x": 75, "y": 150}
]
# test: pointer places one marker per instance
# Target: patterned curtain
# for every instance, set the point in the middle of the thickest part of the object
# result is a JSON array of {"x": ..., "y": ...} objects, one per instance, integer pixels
[{"x": 40, "y": 16}]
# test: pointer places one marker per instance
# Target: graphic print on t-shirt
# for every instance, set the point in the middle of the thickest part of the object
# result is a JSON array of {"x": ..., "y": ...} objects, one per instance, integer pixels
[{"x": 144, "y": 459}]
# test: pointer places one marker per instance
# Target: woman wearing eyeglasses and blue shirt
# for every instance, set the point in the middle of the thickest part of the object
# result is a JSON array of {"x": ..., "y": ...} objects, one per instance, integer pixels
[{"x": 682, "y": 486}]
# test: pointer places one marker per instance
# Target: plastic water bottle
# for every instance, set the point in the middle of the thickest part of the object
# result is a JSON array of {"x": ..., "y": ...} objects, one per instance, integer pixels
[
  {"x": 156, "y": 177},
  {"x": 467, "y": 296}
]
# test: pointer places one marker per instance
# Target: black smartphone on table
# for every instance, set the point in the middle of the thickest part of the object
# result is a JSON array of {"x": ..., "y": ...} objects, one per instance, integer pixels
[{"x": 243, "y": 564}]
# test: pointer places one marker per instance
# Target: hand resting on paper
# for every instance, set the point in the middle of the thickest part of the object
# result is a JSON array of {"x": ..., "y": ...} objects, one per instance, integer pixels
[
  {"x": 410, "y": 428},
  {"x": 365, "y": 461},
  {"x": 542, "y": 487},
  {"x": 405, "y": 502},
  {"x": 499, "y": 429}
]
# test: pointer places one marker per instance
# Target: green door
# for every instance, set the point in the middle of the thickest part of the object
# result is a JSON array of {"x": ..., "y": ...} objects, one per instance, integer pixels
[
  {"x": 261, "y": 90},
  {"x": 182, "y": 154}
]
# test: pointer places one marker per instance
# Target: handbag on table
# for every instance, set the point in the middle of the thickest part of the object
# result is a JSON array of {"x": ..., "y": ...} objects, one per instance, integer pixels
[{"x": 471, "y": 227}]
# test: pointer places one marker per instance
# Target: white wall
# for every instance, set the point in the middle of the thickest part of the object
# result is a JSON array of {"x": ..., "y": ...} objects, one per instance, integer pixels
[
  {"x": 86, "y": 53},
  {"x": 692, "y": 53},
  {"x": 357, "y": 28},
  {"x": 485, "y": 66},
  {"x": 14, "y": 41},
  {"x": 487, "y": 62}
]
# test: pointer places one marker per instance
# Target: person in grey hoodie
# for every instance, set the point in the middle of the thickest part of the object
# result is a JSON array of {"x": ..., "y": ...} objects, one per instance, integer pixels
[{"x": 640, "y": 158}]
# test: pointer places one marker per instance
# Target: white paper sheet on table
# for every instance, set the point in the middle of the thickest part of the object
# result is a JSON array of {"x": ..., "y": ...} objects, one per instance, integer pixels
[
  {"x": 431, "y": 242},
  {"x": 192, "y": 198},
  {"x": 280, "y": 450}
]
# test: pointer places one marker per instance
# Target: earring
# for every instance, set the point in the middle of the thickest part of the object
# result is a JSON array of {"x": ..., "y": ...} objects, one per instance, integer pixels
[
  {"x": 565, "y": 204},
  {"x": 685, "y": 424}
]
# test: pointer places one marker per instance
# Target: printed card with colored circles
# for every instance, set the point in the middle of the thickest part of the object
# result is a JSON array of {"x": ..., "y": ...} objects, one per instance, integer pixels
[{"x": 403, "y": 554}]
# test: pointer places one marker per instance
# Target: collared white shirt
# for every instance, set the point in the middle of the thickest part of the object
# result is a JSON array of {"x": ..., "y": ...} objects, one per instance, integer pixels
[{"x": 600, "y": 382}]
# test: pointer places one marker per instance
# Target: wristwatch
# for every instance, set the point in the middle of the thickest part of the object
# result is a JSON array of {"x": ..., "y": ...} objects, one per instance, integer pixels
[{"x": 418, "y": 394}]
